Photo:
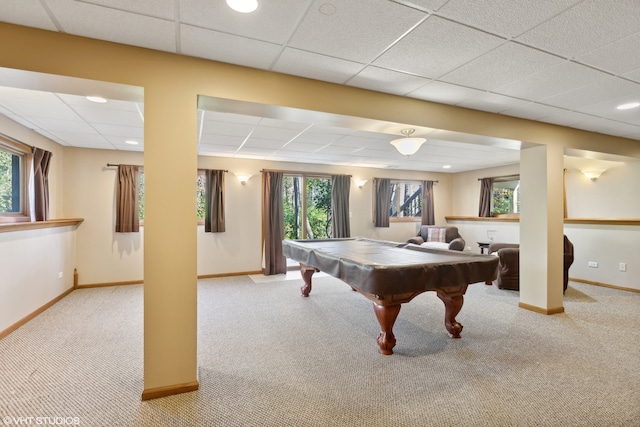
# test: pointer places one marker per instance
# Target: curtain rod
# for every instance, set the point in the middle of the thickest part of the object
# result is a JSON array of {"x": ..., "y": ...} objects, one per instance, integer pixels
[
  {"x": 409, "y": 180},
  {"x": 113, "y": 165},
  {"x": 501, "y": 177},
  {"x": 297, "y": 172}
]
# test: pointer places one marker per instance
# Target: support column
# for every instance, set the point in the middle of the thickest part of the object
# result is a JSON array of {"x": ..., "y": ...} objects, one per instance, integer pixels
[
  {"x": 170, "y": 241},
  {"x": 541, "y": 229}
]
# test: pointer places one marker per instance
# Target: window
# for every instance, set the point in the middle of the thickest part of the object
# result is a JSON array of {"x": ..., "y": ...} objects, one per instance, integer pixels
[
  {"x": 14, "y": 163},
  {"x": 200, "y": 200},
  {"x": 307, "y": 207},
  {"x": 141, "y": 194},
  {"x": 406, "y": 201},
  {"x": 505, "y": 195}
]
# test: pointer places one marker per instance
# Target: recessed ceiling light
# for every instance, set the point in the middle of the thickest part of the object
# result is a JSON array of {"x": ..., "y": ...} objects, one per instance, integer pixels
[
  {"x": 628, "y": 106},
  {"x": 131, "y": 142},
  {"x": 243, "y": 6},
  {"x": 446, "y": 167},
  {"x": 97, "y": 99}
]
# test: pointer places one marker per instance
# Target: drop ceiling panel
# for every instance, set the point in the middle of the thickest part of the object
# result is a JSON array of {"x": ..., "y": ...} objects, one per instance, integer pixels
[
  {"x": 605, "y": 90},
  {"x": 94, "y": 114},
  {"x": 295, "y": 148},
  {"x": 207, "y": 44},
  {"x": 114, "y": 25},
  {"x": 358, "y": 30},
  {"x": 262, "y": 143},
  {"x": 505, "y": 64},
  {"x": 585, "y": 27},
  {"x": 493, "y": 102},
  {"x": 78, "y": 139},
  {"x": 56, "y": 125},
  {"x": 227, "y": 129},
  {"x": 552, "y": 81},
  {"x": 281, "y": 134},
  {"x": 314, "y": 66},
  {"x": 506, "y": 18},
  {"x": 215, "y": 139},
  {"x": 29, "y": 13},
  {"x": 614, "y": 56},
  {"x": 274, "y": 21},
  {"x": 382, "y": 80},
  {"x": 445, "y": 93},
  {"x": 123, "y": 132},
  {"x": 164, "y": 9},
  {"x": 37, "y": 109},
  {"x": 437, "y": 47}
]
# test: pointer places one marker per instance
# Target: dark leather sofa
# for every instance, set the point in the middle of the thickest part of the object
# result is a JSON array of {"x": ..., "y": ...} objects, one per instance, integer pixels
[{"x": 509, "y": 264}]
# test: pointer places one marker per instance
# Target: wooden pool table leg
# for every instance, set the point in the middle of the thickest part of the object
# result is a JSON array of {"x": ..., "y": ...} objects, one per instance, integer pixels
[
  {"x": 387, "y": 315},
  {"x": 452, "y": 306},
  {"x": 306, "y": 272}
]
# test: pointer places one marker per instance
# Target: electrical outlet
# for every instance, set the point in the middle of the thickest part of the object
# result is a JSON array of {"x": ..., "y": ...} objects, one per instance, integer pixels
[
  {"x": 60, "y": 275},
  {"x": 593, "y": 264},
  {"x": 622, "y": 266}
]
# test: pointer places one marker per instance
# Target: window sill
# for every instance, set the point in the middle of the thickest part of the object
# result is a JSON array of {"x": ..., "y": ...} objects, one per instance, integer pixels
[
  {"x": 34, "y": 225},
  {"x": 596, "y": 221}
]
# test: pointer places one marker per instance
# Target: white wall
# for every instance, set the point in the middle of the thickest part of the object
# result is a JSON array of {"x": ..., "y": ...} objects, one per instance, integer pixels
[
  {"x": 613, "y": 195},
  {"x": 31, "y": 260}
]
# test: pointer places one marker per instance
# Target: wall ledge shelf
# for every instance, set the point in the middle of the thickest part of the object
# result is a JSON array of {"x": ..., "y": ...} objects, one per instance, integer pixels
[
  {"x": 595, "y": 221},
  {"x": 35, "y": 225}
]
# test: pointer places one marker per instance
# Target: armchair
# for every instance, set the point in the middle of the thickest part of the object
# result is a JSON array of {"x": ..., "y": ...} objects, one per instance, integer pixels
[
  {"x": 509, "y": 264},
  {"x": 439, "y": 237}
]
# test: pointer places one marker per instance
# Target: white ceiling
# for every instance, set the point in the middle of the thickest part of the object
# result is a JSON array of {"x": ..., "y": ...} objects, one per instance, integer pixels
[{"x": 567, "y": 62}]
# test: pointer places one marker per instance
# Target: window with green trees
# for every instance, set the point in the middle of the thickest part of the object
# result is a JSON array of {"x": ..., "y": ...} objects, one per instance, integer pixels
[
  {"x": 506, "y": 196},
  {"x": 13, "y": 177},
  {"x": 307, "y": 207}
]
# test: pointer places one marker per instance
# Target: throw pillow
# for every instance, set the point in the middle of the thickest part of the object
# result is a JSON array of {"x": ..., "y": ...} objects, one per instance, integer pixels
[{"x": 436, "y": 235}]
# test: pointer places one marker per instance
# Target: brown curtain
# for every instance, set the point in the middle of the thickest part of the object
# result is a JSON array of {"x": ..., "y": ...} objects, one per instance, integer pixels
[
  {"x": 340, "y": 187},
  {"x": 486, "y": 188},
  {"x": 428, "y": 215},
  {"x": 214, "y": 201},
  {"x": 41, "y": 160},
  {"x": 273, "y": 223},
  {"x": 382, "y": 197},
  {"x": 127, "y": 220}
]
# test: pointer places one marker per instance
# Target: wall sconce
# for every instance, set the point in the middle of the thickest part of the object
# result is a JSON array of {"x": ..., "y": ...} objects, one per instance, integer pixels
[
  {"x": 361, "y": 182},
  {"x": 593, "y": 174},
  {"x": 243, "y": 179}
]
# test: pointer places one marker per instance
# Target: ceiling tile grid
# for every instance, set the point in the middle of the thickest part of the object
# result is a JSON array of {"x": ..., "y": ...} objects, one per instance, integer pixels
[{"x": 566, "y": 62}]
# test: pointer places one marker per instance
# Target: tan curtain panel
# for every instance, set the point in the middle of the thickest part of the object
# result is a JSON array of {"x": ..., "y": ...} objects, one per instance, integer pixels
[
  {"x": 41, "y": 161},
  {"x": 382, "y": 196},
  {"x": 428, "y": 215},
  {"x": 486, "y": 188},
  {"x": 127, "y": 220},
  {"x": 273, "y": 223},
  {"x": 214, "y": 201}
]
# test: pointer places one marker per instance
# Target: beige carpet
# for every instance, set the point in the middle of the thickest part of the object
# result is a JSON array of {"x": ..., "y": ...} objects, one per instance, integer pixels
[{"x": 268, "y": 357}]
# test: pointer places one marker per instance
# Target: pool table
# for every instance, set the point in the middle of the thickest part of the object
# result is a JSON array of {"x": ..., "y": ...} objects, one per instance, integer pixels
[{"x": 391, "y": 274}]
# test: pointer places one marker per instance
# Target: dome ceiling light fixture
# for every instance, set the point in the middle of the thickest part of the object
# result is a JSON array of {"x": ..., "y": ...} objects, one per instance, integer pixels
[
  {"x": 243, "y": 6},
  {"x": 408, "y": 146}
]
